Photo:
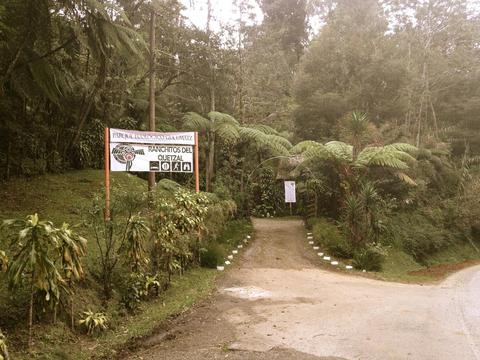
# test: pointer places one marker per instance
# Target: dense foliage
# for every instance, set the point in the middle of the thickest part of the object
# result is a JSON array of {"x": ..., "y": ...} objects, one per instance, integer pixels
[{"x": 370, "y": 105}]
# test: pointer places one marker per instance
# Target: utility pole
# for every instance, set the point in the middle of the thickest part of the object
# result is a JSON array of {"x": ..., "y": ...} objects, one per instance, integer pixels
[{"x": 151, "y": 100}]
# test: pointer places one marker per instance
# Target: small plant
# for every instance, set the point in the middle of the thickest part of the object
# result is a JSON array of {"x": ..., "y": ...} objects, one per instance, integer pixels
[
  {"x": 212, "y": 255},
  {"x": 330, "y": 238},
  {"x": 370, "y": 258},
  {"x": 3, "y": 261},
  {"x": 3, "y": 347},
  {"x": 140, "y": 286},
  {"x": 94, "y": 322},
  {"x": 35, "y": 248}
]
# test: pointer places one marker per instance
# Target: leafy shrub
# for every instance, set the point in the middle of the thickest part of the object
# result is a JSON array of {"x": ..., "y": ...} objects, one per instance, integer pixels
[
  {"x": 139, "y": 287},
  {"x": 3, "y": 347},
  {"x": 329, "y": 237},
  {"x": 3, "y": 261},
  {"x": 419, "y": 235},
  {"x": 212, "y": 256},
  {"x": 94, "y": 322},
  {"x": 370, "y": 258},
  {"x": 266, "y": 195}
]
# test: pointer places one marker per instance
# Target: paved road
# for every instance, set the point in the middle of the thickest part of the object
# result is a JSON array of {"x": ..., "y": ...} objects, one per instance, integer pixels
[{"x": 277, "y": 304}]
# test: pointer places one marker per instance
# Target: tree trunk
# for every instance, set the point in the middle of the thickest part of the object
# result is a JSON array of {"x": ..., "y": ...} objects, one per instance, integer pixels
[
  {"x": 9, "y": 159},
  {"x": 151, "y": 101},
  {"x": 72, "y": 316},
  {"x": 209, "y": 168},
  {"x": 30, "y": 317}
]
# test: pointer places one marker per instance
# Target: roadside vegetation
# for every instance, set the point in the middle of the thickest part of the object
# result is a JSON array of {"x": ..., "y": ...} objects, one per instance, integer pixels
[
  {"x": 105, "y": 283},
  {"x": 395, "y": 209},
  {"x": 371, "y": 107}
]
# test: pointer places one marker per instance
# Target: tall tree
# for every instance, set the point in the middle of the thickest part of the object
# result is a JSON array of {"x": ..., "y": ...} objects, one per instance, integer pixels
[{"x": 351, "y": 64}]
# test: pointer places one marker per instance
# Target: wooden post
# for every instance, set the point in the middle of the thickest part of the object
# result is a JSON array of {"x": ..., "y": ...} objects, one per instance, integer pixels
[
  {"x": 151, "y": 100},
  {"x": 107, "y": 174},
  {"x": 197, "y": 170}
]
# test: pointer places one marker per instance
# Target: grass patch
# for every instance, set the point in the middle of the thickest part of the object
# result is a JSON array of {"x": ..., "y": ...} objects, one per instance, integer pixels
[
  {"x": 61, "y": 198},
  {"x": 401, "y": 267},
  {"x": 57, "y": 342}
]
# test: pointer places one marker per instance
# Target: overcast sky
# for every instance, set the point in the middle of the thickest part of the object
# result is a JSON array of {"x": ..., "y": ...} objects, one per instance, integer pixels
[{"x": 224, "y": 11}]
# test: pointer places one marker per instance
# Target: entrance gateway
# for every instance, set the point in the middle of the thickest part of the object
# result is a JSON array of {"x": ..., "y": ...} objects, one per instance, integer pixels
[{"x": 146, "y": 151}]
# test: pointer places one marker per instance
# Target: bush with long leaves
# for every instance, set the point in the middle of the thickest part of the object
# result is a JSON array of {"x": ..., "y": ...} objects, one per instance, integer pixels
[
  {"x": 34, "y": 245},
  {"x": 134, "y": 243},
  {"x": 3, "y": 261},
  {"x": 117, "y": 235},
  {"x": 3, "y": 347},
  {"x": 72, "y": 248},
  {"x": 94, "y": 322}
]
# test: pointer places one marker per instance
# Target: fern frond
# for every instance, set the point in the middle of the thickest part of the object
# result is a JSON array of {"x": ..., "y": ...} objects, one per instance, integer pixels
[
  {"x": 275, "y": 144},
  {"x": 194, "y": 121},
  {"x": 402, "y": 147},
  {"x": 405, "y": 178},
  {"x": 384, "y": 156},
  {"x": 266, "y": 129},
  {"x": 339, "y": 150},
  {"x": 227, "y": 132},
  {"x": 220, "y": 119},
  {"x": 304, "y": 146}
]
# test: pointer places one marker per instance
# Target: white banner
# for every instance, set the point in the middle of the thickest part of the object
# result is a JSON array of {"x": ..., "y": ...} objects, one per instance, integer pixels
[
  {"x": 290, "y": 196},
  {"x": 153, "y": 157},
  {"x": 147, "y": 137}
]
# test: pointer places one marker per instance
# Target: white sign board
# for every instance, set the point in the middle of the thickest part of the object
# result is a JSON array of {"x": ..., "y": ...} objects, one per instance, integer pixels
[
  {"x": 150, "y": 151},
  {"x": 290, "y": 196}
]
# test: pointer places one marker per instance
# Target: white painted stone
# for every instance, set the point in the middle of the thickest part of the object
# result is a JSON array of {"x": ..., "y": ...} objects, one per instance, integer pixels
[
  {"x": 240, "y": 246},
  {"x": 220, "y": 268},
  {"x": 334, "y": 263},
  {"x": 320, "y": 254},
  {"x": 234, "y": 251},
  {"x": 248, "y": 237},
  {"x": 316, "y": 248},
  {"x": 309, "y": 234},
  {"x": 227, "y": 262},
  {"x": 309, "y": 237},
  {"x": 326, "y": 258},
  {"x": 364, "y": 270},
  {"x": 310, "y": 242},
  {"x": 230, "y": 257},
  {"x": 349, "y": 267}
]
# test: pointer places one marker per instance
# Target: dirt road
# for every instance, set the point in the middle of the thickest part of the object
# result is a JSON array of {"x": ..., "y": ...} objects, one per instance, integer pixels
[{"x": 276, "y": 303}]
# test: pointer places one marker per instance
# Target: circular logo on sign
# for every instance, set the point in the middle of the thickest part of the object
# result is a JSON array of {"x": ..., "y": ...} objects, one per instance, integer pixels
[
  {"x": 166, "y": 166},
  {"x": 123, "y": 153}
]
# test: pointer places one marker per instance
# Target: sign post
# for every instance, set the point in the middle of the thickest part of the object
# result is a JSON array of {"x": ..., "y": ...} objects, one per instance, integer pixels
[
  {"x": 107, "y": 174},
  {"x": 148, "y": 151},
  {"x": 290, "y": 194},
  {"x": 197, "y": 172}
]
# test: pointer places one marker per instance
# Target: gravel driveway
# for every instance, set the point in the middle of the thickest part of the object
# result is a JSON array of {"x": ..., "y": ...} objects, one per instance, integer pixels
[{"x": 276, "y": 303}]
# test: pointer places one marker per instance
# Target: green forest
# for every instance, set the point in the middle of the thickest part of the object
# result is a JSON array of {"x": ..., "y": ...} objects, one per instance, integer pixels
[{"x": 371, "y": 106}]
